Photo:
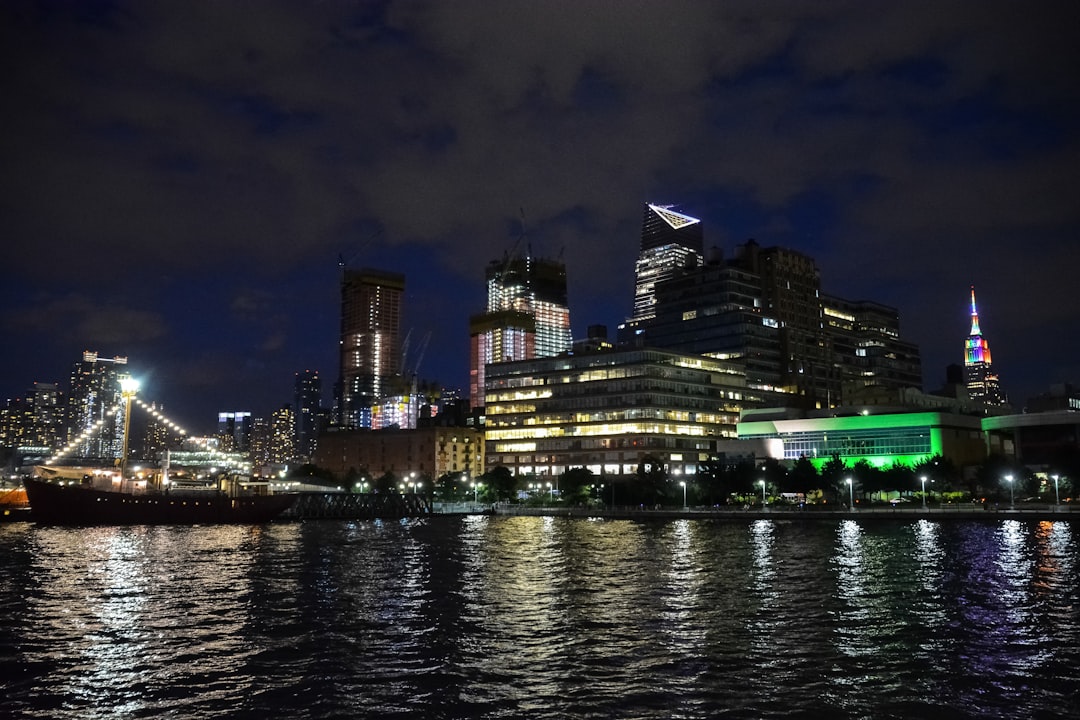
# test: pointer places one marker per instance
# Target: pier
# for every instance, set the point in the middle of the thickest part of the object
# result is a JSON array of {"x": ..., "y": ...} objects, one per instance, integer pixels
[{"x": 357, "y": 506}]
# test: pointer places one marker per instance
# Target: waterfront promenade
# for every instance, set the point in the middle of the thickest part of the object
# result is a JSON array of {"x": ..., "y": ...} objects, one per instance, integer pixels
[{"x": 957, "y": 511}]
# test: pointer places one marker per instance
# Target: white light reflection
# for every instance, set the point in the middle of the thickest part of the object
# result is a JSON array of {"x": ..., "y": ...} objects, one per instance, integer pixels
[
  {"x": 1017, "y": 566},
  {"x": 930, "y": 613},
  {"x": 849, "y": 562},
  {"x": 763, "y": 587},
  {"x": 761, "y": 543},
  {"x": 112, "y": 642},
  {"x": 929, "y": 555},
  {"x": 1016, "y": 570},
  {"x": 682, "y": 589}
]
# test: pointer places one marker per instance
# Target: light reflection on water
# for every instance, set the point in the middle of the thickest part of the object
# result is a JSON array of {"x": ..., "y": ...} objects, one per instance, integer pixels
[{"x": 542, "y": 617}]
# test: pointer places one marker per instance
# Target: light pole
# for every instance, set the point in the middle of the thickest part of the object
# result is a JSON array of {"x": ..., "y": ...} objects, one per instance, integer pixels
[
  {"x": 683, "y": 483},
  {"x": 1012, "y": 495},
  {"x": 475, "y": 489},
  {"x": 1057, "y": 498},
  {"x": 128, "y": 387},
  {"x": 923, "y": 478},
  {"x": 851, "y": 495},
  {"x": 551, "y": 493},
  {"x": 762, "y": 483}
]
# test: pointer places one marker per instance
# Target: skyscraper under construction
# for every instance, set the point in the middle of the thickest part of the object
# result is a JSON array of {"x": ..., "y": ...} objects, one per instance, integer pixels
[
  {"x": 370, "y": 350},
  {"x": 527, "y": 316}
]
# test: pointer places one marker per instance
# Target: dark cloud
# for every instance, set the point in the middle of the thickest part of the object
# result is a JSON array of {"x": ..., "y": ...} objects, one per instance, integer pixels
[{"x": 188, "y": 160}]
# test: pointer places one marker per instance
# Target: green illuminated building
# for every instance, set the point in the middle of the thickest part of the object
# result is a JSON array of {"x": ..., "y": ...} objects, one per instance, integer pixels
[{"x": 881, "y": 440}]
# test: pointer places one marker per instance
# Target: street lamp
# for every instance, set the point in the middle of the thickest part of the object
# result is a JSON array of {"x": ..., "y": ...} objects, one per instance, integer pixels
[
  {"x": 923, "y": 478},
  {"x": 762, "y": 483},
  {"x": 551, "y": 493},
  {"x": 475, "y": 489},
  {"x": 1057, "y": 498},
  {"x": 683, "y": 483},
  {"x": 1012, "y": 495},
  {"x": 851, "y": 495}
]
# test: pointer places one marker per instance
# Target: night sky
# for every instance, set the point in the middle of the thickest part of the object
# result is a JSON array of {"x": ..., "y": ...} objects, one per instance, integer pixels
[{"x": 180, "y": 180}]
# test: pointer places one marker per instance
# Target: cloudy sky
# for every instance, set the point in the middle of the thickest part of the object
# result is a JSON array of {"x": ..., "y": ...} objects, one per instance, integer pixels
[{"x": 180, "y": 180}]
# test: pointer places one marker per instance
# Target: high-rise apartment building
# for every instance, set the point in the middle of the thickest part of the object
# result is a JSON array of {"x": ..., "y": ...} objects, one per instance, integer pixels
[
  {"x": 34, "y": 424},
  {"x": 370, "y": 351},
  {"x": 982, "y": 380},
  {"x": 281, "y": 448},
  {"x": 95, "y": 398},
  {"x": 527, "y": 317},
  {"x": 863, "y": 339},
  {"x": 670, "y": 242},
  {"x": 307, "y": 404},
  {"x": 791, "y": 294}
]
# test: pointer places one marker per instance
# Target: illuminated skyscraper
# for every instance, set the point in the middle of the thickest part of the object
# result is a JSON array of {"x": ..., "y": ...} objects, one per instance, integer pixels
[
  {"x": 982, "y": 381},
  {"x": 371, "y": 305},
  {"x": 527, "y": 317},
  {"x": 282, "y": 444},
  {"x": 95, "y": 398},
  {"x": 670, "y": 241}
]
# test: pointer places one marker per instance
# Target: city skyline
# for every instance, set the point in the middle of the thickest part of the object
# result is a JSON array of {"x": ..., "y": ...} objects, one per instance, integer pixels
[{"x": 189, "y": 204}]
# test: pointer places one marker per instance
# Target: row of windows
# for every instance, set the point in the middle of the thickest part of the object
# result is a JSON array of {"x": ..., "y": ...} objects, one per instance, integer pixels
[
  {"x": 901, "y": 441},
  {"x": 636, "y": 444},
  {"x": 609, "y": 430}
]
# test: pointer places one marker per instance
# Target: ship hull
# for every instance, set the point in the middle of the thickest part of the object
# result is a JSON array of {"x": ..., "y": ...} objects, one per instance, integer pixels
[{"x": 55, "y": 504}]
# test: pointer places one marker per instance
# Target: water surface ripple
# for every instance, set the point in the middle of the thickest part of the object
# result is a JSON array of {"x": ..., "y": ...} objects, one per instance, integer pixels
[{"x": 489, "y": 617}]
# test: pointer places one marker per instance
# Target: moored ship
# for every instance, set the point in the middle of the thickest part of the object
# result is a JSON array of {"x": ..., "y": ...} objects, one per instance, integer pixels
[{"x": 83, "y": 504}]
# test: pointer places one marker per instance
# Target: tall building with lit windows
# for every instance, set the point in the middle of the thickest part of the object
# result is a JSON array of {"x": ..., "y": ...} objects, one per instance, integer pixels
[
  {"x": 370, "y": 350},
  {"x": 982, "y": 381},
  {"x": 94, "y": 400},
  {"x": 497, "y": 337},
  {"x": 282, "y": 442},
  {"x": 234, "y": 431},
  {"x": 609, "y": 410},
  {"x": 670, "y": 242},
  {"x": 863, "y": 340},
  {"x": 763, "y": 308},
  {"x": 527, "y": 317}
]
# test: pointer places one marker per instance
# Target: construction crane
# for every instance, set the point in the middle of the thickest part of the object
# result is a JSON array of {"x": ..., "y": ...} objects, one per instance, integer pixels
[{"x": 344, "y": 262}]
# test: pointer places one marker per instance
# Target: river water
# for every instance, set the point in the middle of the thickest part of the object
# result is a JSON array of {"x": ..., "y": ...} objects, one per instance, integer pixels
[{"x": 540, "y": 617}]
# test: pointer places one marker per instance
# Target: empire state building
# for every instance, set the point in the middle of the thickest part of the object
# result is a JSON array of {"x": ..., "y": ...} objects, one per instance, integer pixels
[{"x": 982, "y": 381}]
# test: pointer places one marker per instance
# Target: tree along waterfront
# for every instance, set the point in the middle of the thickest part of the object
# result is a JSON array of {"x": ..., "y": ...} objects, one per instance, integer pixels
[{"x": 934, "y": 483}]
